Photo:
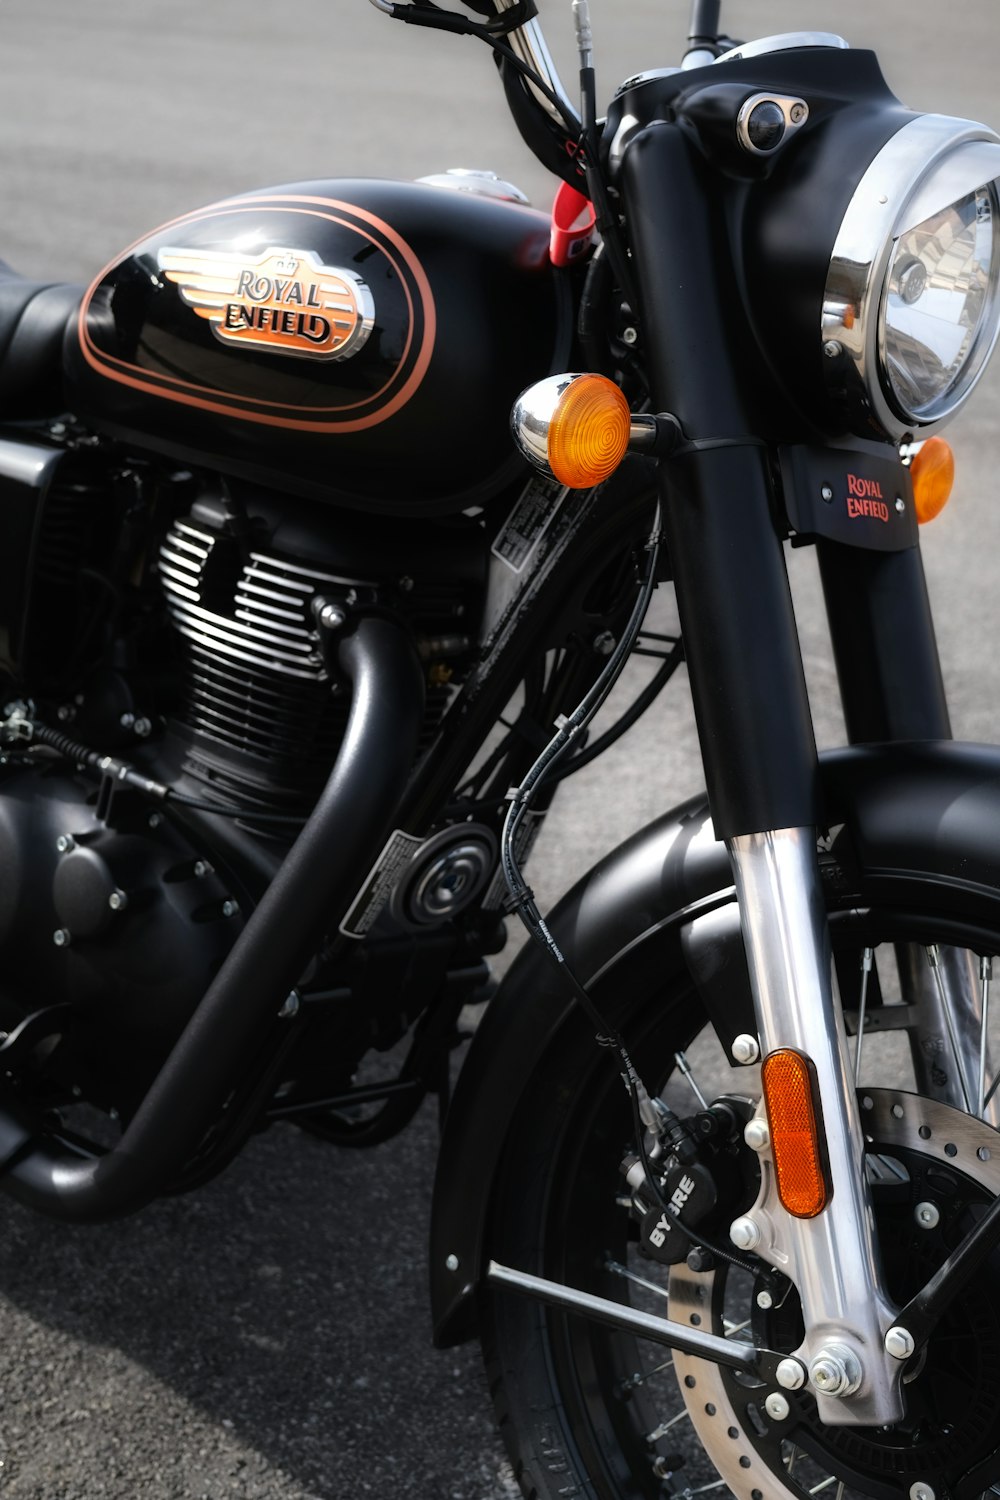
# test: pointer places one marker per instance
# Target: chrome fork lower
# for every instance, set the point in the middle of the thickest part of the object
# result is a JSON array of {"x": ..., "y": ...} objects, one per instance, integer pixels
[{"x": 832, "y": 1259}]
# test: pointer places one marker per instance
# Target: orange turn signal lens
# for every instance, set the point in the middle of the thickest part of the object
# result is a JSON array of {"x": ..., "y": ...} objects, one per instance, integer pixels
[
  {"x": 589, "y": 432},
  {"x": 933, "y": 474},
  {"x": 789, "y": 1094}
]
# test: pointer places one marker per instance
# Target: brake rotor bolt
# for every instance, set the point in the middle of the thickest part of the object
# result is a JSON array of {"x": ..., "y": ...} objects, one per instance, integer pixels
[
  {"x": 790, "y": 1374},
  {"x": 900, "y": 1343},
  {"x": 62, "y": 937},
  {"x": 118, "y": 901},
  {"x": 765, "y": 1300},
  {"x": 921, "y": 1491},
  {"x": 745, "y": 1233},
  {"x": 757, "y": 1135},
  {"x": 835, "y": 1371},
  {"x": 927, "y": 1215},
  {"x": 777, "y": 1406},
  {"x": 64, "y": 843},
  {"x": 745, "y": 1050}
]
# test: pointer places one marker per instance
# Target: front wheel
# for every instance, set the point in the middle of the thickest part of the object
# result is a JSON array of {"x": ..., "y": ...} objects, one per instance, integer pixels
[{"x": 589, "y": 1411}]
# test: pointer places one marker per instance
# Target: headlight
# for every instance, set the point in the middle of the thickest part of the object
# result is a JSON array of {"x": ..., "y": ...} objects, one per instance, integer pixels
[{"x": 911, "y": 309}]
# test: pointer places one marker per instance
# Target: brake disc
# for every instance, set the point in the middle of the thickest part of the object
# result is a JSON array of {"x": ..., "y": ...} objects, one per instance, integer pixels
[{"x": 915, "y": 1147}]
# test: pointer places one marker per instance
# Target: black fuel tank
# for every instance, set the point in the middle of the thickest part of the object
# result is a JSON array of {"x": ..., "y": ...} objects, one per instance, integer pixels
[{"x": 356, "y": 341}]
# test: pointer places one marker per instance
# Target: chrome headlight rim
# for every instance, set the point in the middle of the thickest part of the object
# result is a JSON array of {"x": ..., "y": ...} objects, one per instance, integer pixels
[{"x": 887, "y": 202}]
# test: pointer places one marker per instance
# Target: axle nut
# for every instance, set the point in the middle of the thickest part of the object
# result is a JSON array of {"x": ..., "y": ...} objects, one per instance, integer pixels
[{"x": 836, "y": 1371}]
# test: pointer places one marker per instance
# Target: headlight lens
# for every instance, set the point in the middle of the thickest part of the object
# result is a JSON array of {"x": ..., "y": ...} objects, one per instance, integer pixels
[
  {"x": 940, "y": 307},
  {"x": 912, "y": 304}
]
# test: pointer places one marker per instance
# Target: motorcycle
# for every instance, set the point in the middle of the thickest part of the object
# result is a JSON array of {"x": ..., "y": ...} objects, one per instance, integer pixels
[{"x": 289, "y": 624}]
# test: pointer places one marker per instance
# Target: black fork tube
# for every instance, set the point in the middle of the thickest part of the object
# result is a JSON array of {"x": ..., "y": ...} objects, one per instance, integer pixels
[
  {"x": 741, "y": 643},
  {"x": 311, "y": 891},
  {"x": 884, "y": 645}
]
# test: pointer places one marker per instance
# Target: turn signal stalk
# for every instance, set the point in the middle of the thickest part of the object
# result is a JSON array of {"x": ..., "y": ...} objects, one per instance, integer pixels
[{"x": 794, "y": 1121}]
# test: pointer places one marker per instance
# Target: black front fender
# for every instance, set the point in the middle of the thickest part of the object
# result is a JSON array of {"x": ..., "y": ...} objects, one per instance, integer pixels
[{"x": 922, "y": 825}]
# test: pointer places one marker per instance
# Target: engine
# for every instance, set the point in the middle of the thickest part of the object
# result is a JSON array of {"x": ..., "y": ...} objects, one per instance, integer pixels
[
  {"x": 191, "y": 630},
  {"x": 256, "y": 598}
]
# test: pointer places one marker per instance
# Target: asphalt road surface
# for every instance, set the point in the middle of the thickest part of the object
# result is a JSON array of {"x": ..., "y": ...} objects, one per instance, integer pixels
[{"x": 268, "y": 1337}]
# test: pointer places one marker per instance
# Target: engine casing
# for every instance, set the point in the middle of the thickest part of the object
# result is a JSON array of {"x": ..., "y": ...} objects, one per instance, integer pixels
[{"x": 359, "y": 342}]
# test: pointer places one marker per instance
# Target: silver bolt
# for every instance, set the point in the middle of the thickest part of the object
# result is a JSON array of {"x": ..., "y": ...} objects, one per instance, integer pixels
[
  {"x": 900, "y": 1343},
  {"x": 745, "y": 1050},
  {"x": 200, "y": 870},
  {"x": 451, "y": 1262},
  {"x": 757, "y": 1135},
  {"x": 291, "y": 1006},
  {"x": 745, "y": 1233},
  {"x": 765, "y": 1300},
  {"x": 921, "y": 1491},
  {"x": 230, "y": 908},
  {"x": 790, "y": 1374},
  {"x": 604, "y": 643},
  {"x": 836, "y": 1371},
  {"x": 142, "y": 728},
  {"x": 405, "y": 583},
  {"x": 630, "y": 335},
  {"x": 62, "y": 937},
  {"x": 118, "y": 900},
  {"x": 331, "y": 617},
  {"x": 798, "y": 114},
  {"x": 832, "y": 349},
  {"x": 827, "y": 493},
  {"x": 154, "y": 820},
  {"x": 65, "y": 713},
  {"x": 900, "y": 504},
  {"x": 127, "y": 721},
  {"x": 777, "y": 1406},
  {"x": 927, "y": 1215},
  {"x": 64, "y": 843}
]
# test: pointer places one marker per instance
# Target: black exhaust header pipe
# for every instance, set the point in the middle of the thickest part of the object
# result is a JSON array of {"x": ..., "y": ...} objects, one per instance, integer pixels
[{"x": 310, "y": 893}]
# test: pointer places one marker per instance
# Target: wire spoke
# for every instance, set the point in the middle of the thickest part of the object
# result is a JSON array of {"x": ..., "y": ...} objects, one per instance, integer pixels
[
  {"x": 664, "y": 1427},
  {"x": 617, "y": 1269}
]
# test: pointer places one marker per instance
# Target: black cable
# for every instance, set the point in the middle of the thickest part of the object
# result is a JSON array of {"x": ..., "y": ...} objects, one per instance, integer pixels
[{"x": 631, "y": 716}]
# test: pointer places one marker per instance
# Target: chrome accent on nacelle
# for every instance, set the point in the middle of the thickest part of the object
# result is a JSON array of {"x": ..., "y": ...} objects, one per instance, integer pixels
[{"x": 783, "y": 41}]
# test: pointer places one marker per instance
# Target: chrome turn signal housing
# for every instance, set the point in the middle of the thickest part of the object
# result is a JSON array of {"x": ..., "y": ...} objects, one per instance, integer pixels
[{"x": 574, "y": 428}]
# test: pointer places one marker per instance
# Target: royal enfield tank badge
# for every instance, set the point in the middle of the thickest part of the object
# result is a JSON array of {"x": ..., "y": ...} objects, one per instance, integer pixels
[{"x": 280, "y": 302}]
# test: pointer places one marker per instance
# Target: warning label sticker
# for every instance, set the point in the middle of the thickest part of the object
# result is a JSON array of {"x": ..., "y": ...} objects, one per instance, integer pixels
[
  {"x": 527, "y": 522},
  {"x": 380, "y": 883}
]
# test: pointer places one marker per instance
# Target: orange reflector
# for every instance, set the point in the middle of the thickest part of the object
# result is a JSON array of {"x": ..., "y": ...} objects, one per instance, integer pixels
[
  {"x": 933, "y": 474},
  {"x": 795, "y": 1145},
  {"x": 588, "y": 432}
]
